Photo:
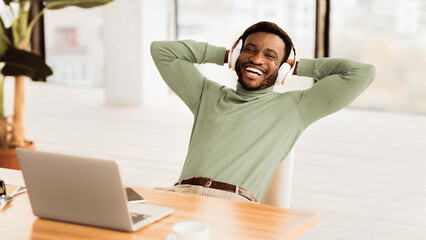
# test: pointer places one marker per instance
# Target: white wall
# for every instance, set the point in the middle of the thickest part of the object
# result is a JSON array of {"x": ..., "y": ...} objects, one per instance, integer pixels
[{"x": 130, "y": 74}]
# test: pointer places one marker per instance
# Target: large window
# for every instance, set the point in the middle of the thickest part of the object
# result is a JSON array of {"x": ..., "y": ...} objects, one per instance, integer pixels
[
  {"x": 221, "y": 22},
  {"x": 391, "y": 34}
]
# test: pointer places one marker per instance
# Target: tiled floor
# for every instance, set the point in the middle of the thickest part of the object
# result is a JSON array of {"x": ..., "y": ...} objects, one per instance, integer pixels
[{"x": 362, "y": 171}]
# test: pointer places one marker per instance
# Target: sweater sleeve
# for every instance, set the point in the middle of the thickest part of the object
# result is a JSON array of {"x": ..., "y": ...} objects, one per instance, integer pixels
[
  {"x": 340, "y": 81},
  {"x": 175, "y": 61}
]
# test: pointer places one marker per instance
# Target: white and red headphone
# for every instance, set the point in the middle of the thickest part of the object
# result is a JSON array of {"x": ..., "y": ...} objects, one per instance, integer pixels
[{"x": 283, "y": 72}]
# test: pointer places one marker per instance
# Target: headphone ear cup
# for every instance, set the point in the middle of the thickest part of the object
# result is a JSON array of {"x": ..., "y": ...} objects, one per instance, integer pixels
[
  {"x": 283, "y": 72},
  {"x": 234, "y": 54}
]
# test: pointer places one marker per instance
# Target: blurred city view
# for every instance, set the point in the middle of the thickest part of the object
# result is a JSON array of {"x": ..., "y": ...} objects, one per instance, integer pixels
[
  {"x": 74, "y": 46},
  {"x": 389, "y": 34}
]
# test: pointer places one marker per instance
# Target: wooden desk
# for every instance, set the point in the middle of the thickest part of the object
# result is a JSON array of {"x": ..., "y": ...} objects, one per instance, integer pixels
[{"x": 227, "y": 219}]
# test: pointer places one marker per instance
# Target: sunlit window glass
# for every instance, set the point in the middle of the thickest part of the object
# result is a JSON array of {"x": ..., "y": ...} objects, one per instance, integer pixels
[
  {"x": 74, "y": 46},
  {"x": 392, "y": 36}
]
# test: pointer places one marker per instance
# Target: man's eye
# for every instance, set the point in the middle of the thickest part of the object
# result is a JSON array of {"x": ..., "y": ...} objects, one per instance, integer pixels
[
  {"x": 270, "y": 56},
  {"x": 249, "y": 50}
]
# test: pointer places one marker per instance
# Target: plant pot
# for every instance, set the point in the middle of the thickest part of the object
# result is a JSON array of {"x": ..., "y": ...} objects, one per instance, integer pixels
[{"x": 8, "y": 157}]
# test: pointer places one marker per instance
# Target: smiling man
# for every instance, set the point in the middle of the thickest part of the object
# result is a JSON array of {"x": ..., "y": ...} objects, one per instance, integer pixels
[{"x": 240, "y": 136}]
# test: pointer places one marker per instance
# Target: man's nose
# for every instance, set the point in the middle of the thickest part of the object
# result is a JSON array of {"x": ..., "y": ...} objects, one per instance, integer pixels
[{"x": 257, "y": 58}]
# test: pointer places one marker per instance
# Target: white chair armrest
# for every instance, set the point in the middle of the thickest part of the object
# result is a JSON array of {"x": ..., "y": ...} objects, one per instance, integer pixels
[{"x": 279, "y": 191}]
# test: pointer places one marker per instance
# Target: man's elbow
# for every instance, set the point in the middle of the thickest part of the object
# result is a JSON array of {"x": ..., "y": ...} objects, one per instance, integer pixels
[
  {"x": 155, "y": 46},
  {"x": 369, "y": 72}
]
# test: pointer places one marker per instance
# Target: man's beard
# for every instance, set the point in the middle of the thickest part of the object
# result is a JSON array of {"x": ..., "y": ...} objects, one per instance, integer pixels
[{"x": 267, "y": 82}]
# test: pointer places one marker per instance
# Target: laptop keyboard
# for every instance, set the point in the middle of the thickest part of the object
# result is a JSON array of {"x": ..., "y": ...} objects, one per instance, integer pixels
[{"x": 136, "y": 217}]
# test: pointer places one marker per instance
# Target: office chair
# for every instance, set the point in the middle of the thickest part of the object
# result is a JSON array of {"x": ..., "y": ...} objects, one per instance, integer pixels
[{"x": 279, "y": 191}]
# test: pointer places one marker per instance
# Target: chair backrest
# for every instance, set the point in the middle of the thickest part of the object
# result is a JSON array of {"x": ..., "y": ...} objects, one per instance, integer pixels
[{"x": 279, "y": 191}]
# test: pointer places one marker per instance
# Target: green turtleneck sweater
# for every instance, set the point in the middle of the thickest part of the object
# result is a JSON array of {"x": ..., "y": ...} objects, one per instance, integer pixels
[{"x": 240, "y": 137}]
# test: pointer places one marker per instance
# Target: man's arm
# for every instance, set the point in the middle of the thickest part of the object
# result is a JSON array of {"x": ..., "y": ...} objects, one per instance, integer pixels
[
  {"x": 175, "y": 62},
  {"x": 340, "y": 81}
]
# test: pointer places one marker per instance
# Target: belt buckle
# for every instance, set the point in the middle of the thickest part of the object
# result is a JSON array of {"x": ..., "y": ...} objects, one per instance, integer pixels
[{"x": 208, "y": 183}]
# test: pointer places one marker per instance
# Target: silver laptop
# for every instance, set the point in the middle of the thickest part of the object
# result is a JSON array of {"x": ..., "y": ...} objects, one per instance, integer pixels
[{"x": 82, "y": 190}]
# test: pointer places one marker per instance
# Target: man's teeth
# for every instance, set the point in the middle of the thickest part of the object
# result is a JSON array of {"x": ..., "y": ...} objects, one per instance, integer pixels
[{"x": 254, "y": 70}]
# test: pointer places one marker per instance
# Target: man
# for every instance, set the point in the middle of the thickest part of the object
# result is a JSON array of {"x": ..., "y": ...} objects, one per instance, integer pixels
[{"x": 240, "y": 136}]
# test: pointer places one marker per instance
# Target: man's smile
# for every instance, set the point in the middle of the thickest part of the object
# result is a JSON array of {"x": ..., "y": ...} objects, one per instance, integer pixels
[{"x": 254, "y": 72}]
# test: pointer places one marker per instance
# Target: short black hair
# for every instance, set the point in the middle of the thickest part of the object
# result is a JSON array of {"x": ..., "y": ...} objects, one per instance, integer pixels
[{"x": 273, "y": 28}]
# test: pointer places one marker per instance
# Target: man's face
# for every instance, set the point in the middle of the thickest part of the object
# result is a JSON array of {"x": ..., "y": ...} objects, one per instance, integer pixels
[{"x": 259, "y": 61}]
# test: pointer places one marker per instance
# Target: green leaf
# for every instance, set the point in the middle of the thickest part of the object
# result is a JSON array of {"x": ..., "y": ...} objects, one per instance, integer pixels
[
  {"x": 58, "y": 4},
  {"x": 3, "y": 43},
  {"x": 6, "y": 38},
  {"x": 22, "y": 19},
  {"x": 15, "y": 33},
  {"x": 20, "y": 62},
  {"x": 27, "y": 34}
]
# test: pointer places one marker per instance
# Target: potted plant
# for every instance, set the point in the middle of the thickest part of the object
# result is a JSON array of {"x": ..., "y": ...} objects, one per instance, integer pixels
[{"x": 20, "y": 62}]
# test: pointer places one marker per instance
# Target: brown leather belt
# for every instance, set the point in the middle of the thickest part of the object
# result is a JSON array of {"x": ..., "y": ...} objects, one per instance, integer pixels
[{"x": 209, "y": 183}]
